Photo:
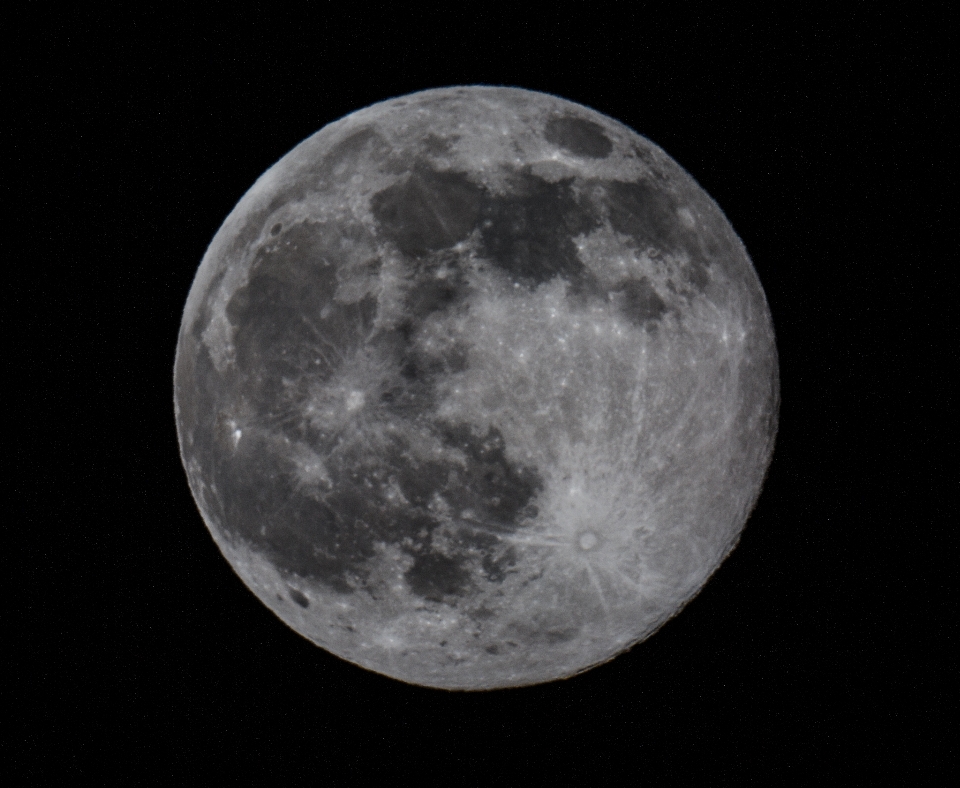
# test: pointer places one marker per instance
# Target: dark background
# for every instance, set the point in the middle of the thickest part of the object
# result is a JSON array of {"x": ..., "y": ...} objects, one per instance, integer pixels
[{"x": 815, "y": 652}]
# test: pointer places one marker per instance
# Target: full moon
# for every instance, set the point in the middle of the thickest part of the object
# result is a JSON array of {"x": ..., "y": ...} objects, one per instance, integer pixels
[{"x": 475, "y": 388}]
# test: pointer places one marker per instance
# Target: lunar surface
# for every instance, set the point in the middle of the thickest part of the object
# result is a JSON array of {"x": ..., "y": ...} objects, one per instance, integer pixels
[{"x": 476, "y": 388}]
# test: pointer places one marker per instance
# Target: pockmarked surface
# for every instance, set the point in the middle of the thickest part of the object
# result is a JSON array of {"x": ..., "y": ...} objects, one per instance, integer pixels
[{"x": 476, "y": 387}]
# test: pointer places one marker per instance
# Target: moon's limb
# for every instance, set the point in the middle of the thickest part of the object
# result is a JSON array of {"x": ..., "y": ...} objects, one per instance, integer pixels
[{"x": 476, "y": 388}]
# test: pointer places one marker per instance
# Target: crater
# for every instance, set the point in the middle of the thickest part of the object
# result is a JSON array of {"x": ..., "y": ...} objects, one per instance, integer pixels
[
  {"x": 588, "y": 540},
  {"x": 578, "y": 136},
  {"x": 638, "y": 301},
  {"x": 299, "y": 598}
]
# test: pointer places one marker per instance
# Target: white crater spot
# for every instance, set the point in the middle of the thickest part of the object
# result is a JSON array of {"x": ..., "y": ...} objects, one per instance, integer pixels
[
  {"x": 355, "y": 400},
  {"x": 588, "y": 540}
]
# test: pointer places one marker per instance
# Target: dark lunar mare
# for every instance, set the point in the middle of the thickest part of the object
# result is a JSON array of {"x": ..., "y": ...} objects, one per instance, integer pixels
[
  {"x": 329, "y": 534},
  {"x": 291, "y": 333},
  {"x": 427, "y": 211},
  {"x": 648, "y": 215},
  {"x": 527, "y": 232},
  {"x": 639, "y": 301},
  {"x": 286, "y": 319}
]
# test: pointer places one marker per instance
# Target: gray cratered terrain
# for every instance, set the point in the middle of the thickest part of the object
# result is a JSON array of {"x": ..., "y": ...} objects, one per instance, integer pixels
[{"x": 475, "y": 388}]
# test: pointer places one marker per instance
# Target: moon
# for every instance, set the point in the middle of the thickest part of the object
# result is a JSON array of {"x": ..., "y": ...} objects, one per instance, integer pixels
[{"x": 475, "y": 388}]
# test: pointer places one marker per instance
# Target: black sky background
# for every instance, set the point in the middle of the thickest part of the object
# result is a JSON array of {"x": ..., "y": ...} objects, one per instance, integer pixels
[{"x": 815, "y": 651}]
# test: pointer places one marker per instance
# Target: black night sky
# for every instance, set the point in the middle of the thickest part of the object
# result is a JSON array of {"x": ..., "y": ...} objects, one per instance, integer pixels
[{"x": 815, "y": 652}]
